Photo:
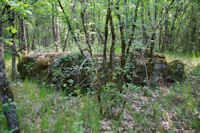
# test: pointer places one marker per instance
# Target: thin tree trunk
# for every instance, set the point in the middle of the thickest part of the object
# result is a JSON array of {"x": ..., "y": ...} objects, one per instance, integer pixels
[
  {"x": 56, "y": 28},
  {"x": 27, "y": 38},
  {"x": 178, "y": 10},
  {"x": 131, "y": 39},
  {"x": 93, "y": 23},
  {"x": 122, "y": 36},
  {"x": 160, "y": 40},
  {"x": 33, "y": 40},
  {"x": 57, "y": 35},
  {"x": 93, "y": 32},
  {"x": 70, "y": 27},
  {"x": 149, "y": 14},
  {"x": 106, "y": 38},
  {"x": 194, "y": 28},
  {"x": 53, "y": 22},
  {"x": 112, "y": 49},
  {"x": 99, "y": 35},
  {"x": 166, "y": 25},
  {"x": 85, "y": 23},
  {"x": 66, "y": 40},
  {"x": 23, "y": 34},
  {"x": 153, "y": 39},
  {"x": 145, "y": 36}
]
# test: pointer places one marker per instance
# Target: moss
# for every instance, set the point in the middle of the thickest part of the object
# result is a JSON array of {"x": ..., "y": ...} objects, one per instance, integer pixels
[
  {"x": 176, "y": 70},
  {"x": 25, "y": 67},
  {"x": 35, "y": 65}
]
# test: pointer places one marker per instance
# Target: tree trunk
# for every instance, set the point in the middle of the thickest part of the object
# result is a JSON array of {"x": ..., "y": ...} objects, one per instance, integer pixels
[
  {"x": 160, "y": 40},
  {"x": 23, "y": 34},
  {"x": 27, "y": 38},
  {"x": 122, "y": 36},
  {"x": 6, "y": 94},
  {"x": 131, "y": 39},
  {"x": 166, "y": 25},
  {"x": 153, "y": 39},
  {"x": 149, "y": 14},
  {"x": 56, "y": 28},
  {"x": 14, "y": 51},
  {"x": 70, "y": 27},
  {"x": 112, "y": 49},
  {"x": 66, "y": 40},
  {"x": 171, "y": 38},
  {"x": 106, "y": 38},
  {"x": 85, "y": 23},
  {"x": 145, "y": 36}
]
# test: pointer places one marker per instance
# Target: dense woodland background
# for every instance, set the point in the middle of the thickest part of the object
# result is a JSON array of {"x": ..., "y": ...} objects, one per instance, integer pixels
[{"x": 108, "y": 31}]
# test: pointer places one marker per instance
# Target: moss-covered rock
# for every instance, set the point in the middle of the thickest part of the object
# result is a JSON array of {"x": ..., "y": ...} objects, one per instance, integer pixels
[
  {"x": 72, "y": 71},
  {"x": 159, "y": 68},
  {"x": 35, "y": 65},
  {"x": 176, "y": 70},
  {"x": 142, "y": 67}
]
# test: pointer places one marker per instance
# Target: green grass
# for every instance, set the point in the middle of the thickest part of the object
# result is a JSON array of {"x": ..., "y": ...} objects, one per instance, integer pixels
[
  {"x": 196, "y": 71},
  {"x": 42, "y": 109},
  {"x": 185, "y": 57}
]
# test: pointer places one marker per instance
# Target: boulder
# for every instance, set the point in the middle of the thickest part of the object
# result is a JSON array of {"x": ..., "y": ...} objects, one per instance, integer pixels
[
  {"x": 141, "y": 67},
  {"x": 159, "y": 69},
  {"x": 176, "y": 71},
  {"x": 35, "y": 65}
]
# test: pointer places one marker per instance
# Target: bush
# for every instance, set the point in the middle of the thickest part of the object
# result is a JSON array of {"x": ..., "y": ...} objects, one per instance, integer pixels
[{"x": 71, "y": 71}]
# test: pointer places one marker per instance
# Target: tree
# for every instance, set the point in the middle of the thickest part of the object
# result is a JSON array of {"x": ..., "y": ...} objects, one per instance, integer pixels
[
  {"x": 6, "y": 94},
  {"x": 56, "y": 27}
]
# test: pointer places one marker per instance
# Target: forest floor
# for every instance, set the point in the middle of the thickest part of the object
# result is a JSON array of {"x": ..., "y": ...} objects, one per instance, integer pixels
[{"x": 161, "y": 109}]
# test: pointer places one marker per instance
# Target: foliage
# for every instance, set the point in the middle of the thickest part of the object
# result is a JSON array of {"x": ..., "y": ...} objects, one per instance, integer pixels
[
  {"x": 69, "y": 72},
  {"x": 112, "y": 101},
  {"x": 109, "y": 31},
  {"x": 196, "y": 70}
]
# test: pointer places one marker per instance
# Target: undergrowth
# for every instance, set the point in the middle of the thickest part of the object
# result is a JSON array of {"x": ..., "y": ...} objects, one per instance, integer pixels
[{"x": 42, "y": 109}]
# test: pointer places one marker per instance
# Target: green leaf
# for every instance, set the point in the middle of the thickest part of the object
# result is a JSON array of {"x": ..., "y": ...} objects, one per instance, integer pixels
[
  {"x": 28, "y": 12},
  {"x": 13, "y": 30},
  {"x": 8, "y": 41},
  {"x": 8, "y": 28},
  {"x": 26, "y": 5}
]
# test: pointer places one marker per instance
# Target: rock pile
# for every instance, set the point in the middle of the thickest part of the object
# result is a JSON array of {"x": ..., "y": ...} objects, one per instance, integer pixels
[
  {"x": 153, "y": 69},
  {"x": 75, "y": 70}
]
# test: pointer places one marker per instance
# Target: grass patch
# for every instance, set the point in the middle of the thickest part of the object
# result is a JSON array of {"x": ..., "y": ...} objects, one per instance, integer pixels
[
  {"x": 42, "y": 109},
  {"x": 196, "y": 71}
]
